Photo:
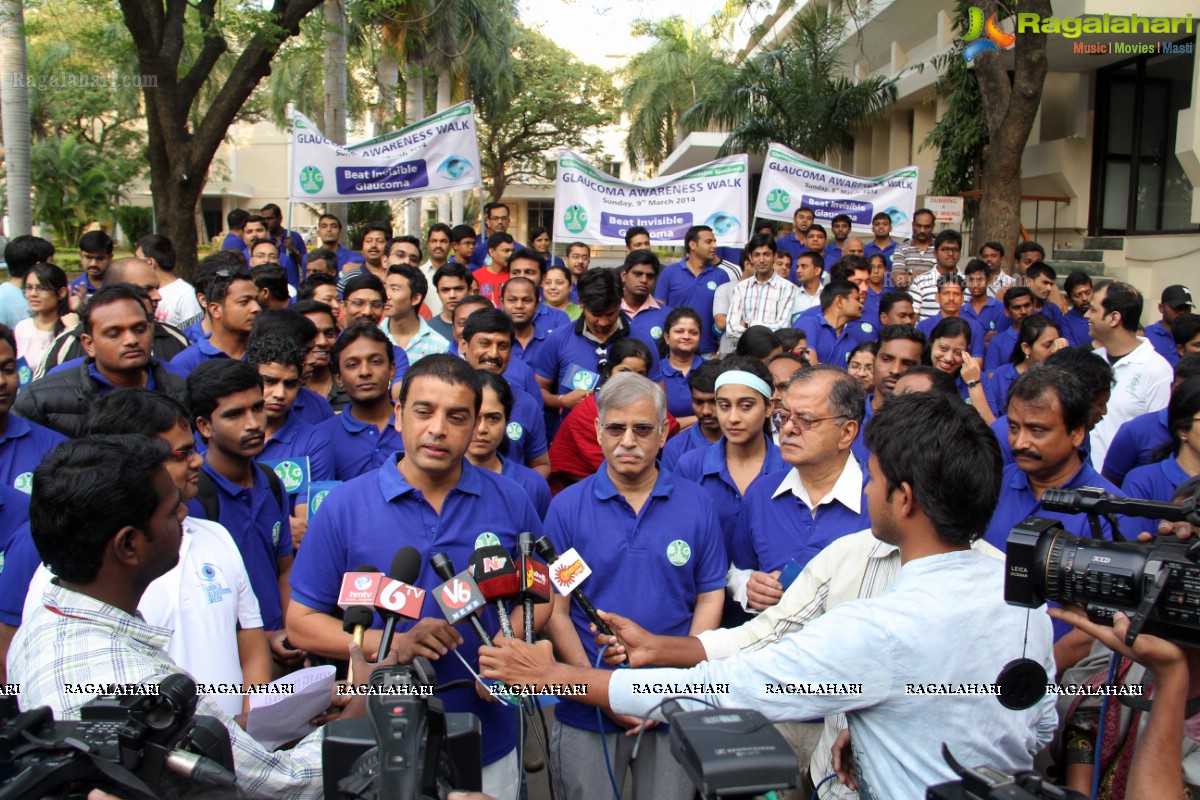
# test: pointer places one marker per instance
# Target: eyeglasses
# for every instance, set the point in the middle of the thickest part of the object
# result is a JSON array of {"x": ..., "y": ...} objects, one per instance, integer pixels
[
  {"x": 616, "y": 430},
  {"x": 183, "y": 453},
  {"x": 801, "y": 423},
  {"x": 39, "y": 289}
]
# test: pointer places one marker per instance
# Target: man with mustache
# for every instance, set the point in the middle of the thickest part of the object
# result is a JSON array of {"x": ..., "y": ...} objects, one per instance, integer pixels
[
  {"x": 226, "y": 401},
  {"x": 232, "y": 304},
  {"x": 118, "y": 330},
  {"x": 636, "y": 526}
]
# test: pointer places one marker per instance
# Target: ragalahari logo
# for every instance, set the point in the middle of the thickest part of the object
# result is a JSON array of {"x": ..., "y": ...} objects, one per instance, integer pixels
[{"x": 996, "y": 40}]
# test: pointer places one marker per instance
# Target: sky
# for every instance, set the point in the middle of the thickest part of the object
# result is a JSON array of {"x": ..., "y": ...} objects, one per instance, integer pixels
[{"x": 597, "y": 30}]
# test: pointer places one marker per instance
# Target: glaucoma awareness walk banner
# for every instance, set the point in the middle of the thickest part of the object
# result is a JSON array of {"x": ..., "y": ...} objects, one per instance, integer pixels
[
  {"x": 790, "y": 180},
  {"x": 592, "y": 206},
  {"x": 437, "y": 154}
]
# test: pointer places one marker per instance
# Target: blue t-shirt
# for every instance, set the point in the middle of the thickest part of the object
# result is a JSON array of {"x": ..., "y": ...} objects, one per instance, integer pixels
[
  {"x": 996, "y": 387},
  {"x": 365, "y": 520},
  {"x": 679, "y": 394},
  {"x": 1000, "y": 350},
  {"x": 859, "y": 447},
  {"x": 678, "y": 287},
  {"x": 195, "y": 331},
  {"x": 1017, "y": 502},
  {"x": 991, "y": 319},
  {"x": 298, "y": 437},
  {"x": 870, "y": 311},
  {"x": 526, "y": 431},
  {"x": 648, "y": 566},
  {"x": 774, "y": 530},
  {"x": 83, "y": 280},
  {"x": 1151, "y": 482},
  {"x": 832, "y": 347},
  {"x": 794, "y": 246},
  {"x": 573, "y": 361},
  {"x": 311, "y": 407},
  {"x": 870, "y": 249},
  {"x": 531, "y": 481},
  {"x": 23, "y": 445},
  {"x": 263, "y": 534},
  {"x": 18, "y": 557},
  {"x": 1163, "y": 341},
  {"x": 194, "y": 355},
  {"x": 1135, "y": 443},
  {"x": 545, "y": 321},
  {"x": 648, "y": 325},
  {"x": 359, "y": 447},
  {"x": 1074, "y": 328},
  {"x": 709, "y": 468},
  {"x": 681, "y": 443},
  {"x": 978, "y": 335}
]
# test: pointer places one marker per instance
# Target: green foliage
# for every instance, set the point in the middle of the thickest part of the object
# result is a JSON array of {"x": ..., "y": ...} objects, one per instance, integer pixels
[
  {"x": 684, "y": 65},
  {"x": 796, "y": 94},
  {"x": 73, "y": 186},
  {"x": 554, "y": 101},
  {"x": 360, "y": 215},
  {"x": 135, "y": 222}
]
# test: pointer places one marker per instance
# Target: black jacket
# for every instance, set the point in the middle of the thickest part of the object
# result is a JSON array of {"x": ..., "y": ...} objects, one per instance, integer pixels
[
  {"x": 62, "y": 401},
  {"x": 168, "y": 342}
]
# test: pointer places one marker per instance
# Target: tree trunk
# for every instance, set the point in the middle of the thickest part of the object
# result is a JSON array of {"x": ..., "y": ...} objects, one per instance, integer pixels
[
  {"x": 444, "y": 211},
  {"x": 387, "y": 73},
  {"x": 172, "y": 209},
  {"x": 336, "y": 94},
  {"x": 14, "y": 115},
  {"x": 1010, "y": 108}
]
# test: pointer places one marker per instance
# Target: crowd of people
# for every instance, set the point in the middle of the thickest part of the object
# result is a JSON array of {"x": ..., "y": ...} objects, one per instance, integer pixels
[{"x": 797, "y": 462}]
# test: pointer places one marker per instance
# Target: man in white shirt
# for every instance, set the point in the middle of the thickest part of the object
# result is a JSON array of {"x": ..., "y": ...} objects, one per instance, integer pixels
[
  {"x": 935, "y": 481},
  {"x": 810, "y": 269},
  {"x": 1141, "y": 377},
  {"x": 762, "y": 299},
  {"x": 178, "y": 303}
]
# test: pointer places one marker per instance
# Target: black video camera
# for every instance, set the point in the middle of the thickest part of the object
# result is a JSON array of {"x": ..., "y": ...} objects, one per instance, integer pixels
[
  {"x": 1157, "y": 584},
  {"x": 407, "y": 747},
  {"x": 989, "y": 783},
  {"x": 145, "y": 743}
]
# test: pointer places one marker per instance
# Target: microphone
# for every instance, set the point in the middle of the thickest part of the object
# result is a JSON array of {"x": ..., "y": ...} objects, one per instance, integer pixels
[
  {"x": 535, "y": 581},
  {"x": 567, "y": 572},
  {"x": 459, "y": 597},
  {"x": 496, "y": 575},
  {"x": 360, "y": 587},
  {"x": 355, "y": 621},
  {"x": 397, "y": 597}
]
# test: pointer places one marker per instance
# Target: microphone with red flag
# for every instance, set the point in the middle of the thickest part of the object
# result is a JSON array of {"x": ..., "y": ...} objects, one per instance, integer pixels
[
  {"x": 567, "y": 572},
  {"x": 459, "y": 597},
  {"x": 496, "y": 575},
  {"x": 360, "y": 587},
  {"x": 397, "y": 597},
  {"x": 535, "y": 581}
]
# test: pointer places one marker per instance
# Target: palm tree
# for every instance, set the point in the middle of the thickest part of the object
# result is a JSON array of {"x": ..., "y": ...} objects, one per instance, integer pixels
[
  {"x": 795, "y": 94},
  {"x": 14, "y": 115},
  {"x": 681, "y": 68}
]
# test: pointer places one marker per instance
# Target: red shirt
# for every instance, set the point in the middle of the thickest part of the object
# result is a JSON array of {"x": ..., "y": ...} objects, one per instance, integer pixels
[{"x": 490, "y": 283}]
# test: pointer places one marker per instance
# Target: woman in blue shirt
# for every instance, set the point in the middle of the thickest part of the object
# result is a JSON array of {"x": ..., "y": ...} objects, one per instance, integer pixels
[
  {"x": 490, "y": 440},
  {"x": 1180, "y": 458},
  {"x": 677, "y": 347},
  {"x": 539, "y": 240},
  {"x": 1037, "y": 339},
  {"x": 949, "y": 352}
]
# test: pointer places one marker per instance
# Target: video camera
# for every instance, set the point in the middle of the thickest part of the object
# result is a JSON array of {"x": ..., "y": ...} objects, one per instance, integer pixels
[
  {"x": 989, "y": 783},
  {"x": 139, "y": 745},
  {"x": 1157, "y": 584},
  {"x": 407, "y": 747}
]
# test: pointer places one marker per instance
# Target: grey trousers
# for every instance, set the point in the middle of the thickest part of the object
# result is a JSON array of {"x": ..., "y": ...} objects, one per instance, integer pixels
[{"x": 579, "y": 766}]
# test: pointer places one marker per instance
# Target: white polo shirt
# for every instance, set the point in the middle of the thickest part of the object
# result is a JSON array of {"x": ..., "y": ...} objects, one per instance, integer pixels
[
  {"x": 203, "y": 600},
  {"x": 1142, "y": 384}
]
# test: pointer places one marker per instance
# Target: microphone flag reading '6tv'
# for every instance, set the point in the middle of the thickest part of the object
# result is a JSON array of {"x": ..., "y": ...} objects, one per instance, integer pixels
[
  {"x": 592, "y": 206},
  {"x": 791, "y": 181},
  {"x": 438, "y": 154}
]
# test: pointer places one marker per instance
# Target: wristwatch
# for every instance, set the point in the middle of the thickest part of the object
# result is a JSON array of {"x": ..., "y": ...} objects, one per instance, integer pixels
[{"x": 972, "y": 384}]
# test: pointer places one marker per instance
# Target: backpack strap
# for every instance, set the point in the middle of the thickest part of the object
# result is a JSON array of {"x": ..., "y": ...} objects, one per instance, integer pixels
[
  {"x": 206, "y": 496},
  {"x": 276, "y": 487}
]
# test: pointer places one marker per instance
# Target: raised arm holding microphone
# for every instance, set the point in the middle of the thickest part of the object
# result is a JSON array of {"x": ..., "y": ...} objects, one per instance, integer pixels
[{"x": 433, "y": 500}]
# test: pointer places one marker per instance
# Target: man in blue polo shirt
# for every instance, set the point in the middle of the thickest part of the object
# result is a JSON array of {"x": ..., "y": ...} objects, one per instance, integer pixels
[
  {"x": 518, "y": 374},
  {"x": 22, "y": 443},
  {"x": 837, "y": 330},
  {"x": 435, "y": 501},
  {"x": 647, "y": 316},
  {"x": 1137, "y": 439},
  {"x": 693, "y": 281},
  {"x": 795, "y": 242},
  {"x": 288, "y": 436},
  {"x": 568, "y": 367},
  {"x": 1041, "y": 280},
  {"x": 231, "y": 299},
  {"x": 636, "y": 526},
  {"x": 95, "y": 256},
  {"x": 226, "y": 401},
  {"x": 1074, "y": 326},
  {"x": 1018, "y": 304},
  {"x": 329, "y": 234},
  {"x": 364, "y": 435},
  {"x": 950, "y": 292},
  {"x": 14, "y": 514},
  {"x": 793, "y": 515},
  {"x": 986, "y": 311},
  {"x": 702, "y": 384},
  {"x": 486, "y": 343},
  {"x": 1176, "y": 300}
]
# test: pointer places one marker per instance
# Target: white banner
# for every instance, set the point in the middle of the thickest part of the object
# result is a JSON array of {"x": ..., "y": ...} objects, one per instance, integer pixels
[
  {"x": 592, "y": 206},
  {"x": 438, "y": 154},
  {"x": 790, "y": 180}
]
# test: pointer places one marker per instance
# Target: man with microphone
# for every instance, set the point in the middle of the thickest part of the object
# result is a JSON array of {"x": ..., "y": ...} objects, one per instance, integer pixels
[{"x": 432, "y": 499}]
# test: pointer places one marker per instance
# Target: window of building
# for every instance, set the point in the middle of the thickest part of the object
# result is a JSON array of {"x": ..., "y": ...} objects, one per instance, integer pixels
[
  {"x": 541, "y": 214},
  {"x": 1139, "y": 185}
]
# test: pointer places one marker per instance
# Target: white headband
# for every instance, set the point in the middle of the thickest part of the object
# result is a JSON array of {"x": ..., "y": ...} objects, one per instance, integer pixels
[{"x": 738, "y": 377}]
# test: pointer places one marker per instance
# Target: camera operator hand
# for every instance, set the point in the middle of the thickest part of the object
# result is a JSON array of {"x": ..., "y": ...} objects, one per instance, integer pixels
[
  {"x": 764, "y": 590},
  {"x": 1184, "y": 530}
]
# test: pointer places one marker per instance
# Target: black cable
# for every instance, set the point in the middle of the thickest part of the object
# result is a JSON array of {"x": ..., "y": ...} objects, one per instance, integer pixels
[
  {"x": 542, "y": 743},
  {"x": 638, "y": 741}
]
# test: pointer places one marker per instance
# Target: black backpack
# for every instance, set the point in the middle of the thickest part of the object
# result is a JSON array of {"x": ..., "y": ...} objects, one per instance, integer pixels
[{"x": 209, "y": 499}]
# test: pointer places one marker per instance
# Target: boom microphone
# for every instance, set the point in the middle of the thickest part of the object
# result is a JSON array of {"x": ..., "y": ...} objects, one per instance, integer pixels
[
  {"x": 571, "y": 572},
  {"x": 496, "y": 575},
  {"x": 397, "y": 596},
  {"x": 459, "y": 596}
]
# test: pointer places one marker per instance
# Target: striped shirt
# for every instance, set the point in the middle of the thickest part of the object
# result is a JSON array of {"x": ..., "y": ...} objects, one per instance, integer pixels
[
  {"x": 75, "y": 642},
  {"x": 425, "y": 342},
  {"x": 755, "y": 303},
  {"x": 913, "y": 259},
  {"x": 1003, "y": 281}
]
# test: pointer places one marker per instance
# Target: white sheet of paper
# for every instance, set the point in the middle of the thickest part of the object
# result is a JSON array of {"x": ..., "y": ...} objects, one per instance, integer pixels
[{"x": 276, "y": 719}]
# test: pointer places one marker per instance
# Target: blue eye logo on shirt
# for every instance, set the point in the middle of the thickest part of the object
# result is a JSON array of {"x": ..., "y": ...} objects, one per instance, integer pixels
[
  {"x": 453, "y": 168},
  {"x": 656, "y": 332},
  {"x": 208, "y": 572},
  {"x": 24, "y": 483}
]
